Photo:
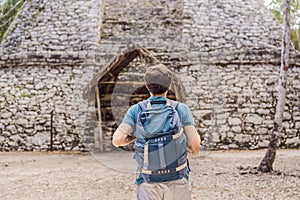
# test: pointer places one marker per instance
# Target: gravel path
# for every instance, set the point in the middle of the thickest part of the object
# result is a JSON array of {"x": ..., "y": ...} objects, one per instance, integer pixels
[{"x": 215, "y": 175}]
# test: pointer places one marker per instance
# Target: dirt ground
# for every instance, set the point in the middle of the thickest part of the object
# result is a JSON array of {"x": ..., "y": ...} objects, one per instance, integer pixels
[{"x": 215, "y": 175}]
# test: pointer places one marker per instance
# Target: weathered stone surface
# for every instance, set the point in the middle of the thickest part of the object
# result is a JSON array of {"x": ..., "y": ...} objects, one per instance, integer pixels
[
  {"x": 262, "y": 131},
  {"x": 263, "y": 111},
  {"x": 254, "y": 119},
  {"x": 233, "y": 146},
  {"x": 215, "y": 137},
  {"x": 2, "y": 139},
  {"x": 236, "y": 129},
  {"x": 12, "y": 144},
  {"x": 17, "y": 139},
  {"x": 39, "y": 139},
  {"x": 22, "y": 121},
  {"x": 12, "y": 129},
  {"x": 244, "y": 110},
  {"x": 297, "y": 125},
  {"x": 263, "y": 144},
  {"x": 230, "y": 134},
  {"x": 5, "y": 115},
  {"x": 234, "y": 121},
  {"x": 293, "y": 142},
  {"x": 242, "y": 138}
]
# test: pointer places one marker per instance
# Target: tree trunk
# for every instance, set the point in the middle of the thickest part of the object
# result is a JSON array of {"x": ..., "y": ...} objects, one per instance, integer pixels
[{"x": 266, "y": 164}]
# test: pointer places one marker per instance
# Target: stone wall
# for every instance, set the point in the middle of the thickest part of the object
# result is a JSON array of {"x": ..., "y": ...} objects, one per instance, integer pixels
[
  {"x": 46, "y": 60},
  {"x": 232, "y": 82},
  {"x": 235, "y": 105},
  {"x": 29, "y": 95},
  {"x": 227, "y": 54}
]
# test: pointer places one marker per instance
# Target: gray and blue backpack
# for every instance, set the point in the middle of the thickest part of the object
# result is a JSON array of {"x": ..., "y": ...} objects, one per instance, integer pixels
[{"x": 160, "y": 146}]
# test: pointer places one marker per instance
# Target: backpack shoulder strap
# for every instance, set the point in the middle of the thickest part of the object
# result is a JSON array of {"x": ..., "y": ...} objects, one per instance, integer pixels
[
  {"x": 143, "y": 104},
  {"x": 173, "y": 103}
]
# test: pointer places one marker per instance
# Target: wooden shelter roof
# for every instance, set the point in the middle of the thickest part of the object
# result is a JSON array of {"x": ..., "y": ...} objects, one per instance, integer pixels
[{"x": 122, "y": 61}]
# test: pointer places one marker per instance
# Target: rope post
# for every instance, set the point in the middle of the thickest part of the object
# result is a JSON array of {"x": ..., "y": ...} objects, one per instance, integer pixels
[{"x": 99, "y": 120}]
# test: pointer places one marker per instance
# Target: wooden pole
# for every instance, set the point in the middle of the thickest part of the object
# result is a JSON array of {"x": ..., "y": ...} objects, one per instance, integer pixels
[
  {"x": 51, "y": 131},
  {"x": 99, "y": 120}
]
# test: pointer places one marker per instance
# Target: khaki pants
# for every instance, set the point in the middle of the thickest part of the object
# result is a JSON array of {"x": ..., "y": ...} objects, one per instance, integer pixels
[{"x": 172, "y": 190}]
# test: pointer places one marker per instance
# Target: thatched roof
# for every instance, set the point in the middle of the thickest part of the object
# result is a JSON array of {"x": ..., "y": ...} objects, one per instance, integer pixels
[{"x": 122, "y": 61}]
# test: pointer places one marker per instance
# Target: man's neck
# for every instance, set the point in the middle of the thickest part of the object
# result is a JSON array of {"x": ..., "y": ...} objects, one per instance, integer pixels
[{"x": 159, "y": 95}]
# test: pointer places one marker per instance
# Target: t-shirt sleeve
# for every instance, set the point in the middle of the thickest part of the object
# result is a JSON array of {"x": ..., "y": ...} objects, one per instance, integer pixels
[
  {"x": 185, "y": 115},
  {"x": 131, "y": 116}
]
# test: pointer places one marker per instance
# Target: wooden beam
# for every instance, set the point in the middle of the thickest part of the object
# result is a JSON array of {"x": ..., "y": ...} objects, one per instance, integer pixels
[
  {"x": 99, "y": 120},
  {"x": 122, "y": 87},
  {"x": 118, "y": 64},
  {"x": 122, "y": 83},
  {"x": 116, "y": 67}
]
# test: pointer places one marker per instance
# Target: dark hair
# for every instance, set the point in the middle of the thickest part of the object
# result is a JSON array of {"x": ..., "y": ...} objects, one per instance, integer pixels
[{"x": 158, "y": 79}]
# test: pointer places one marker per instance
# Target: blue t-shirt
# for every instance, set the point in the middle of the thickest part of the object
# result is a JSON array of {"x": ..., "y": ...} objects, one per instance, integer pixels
[{"x": 184, "y": 113}]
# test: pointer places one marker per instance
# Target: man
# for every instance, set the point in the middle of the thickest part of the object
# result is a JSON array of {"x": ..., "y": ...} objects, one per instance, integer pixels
[{"x": 158, "y": 80}]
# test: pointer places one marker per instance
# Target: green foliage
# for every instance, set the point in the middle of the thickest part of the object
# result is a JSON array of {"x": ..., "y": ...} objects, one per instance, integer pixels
[
  {"x": 295, "y": 36},
  {"x": 8, "y": 11},
  {"x": 276, "y": 7},
  {"x": 278, "y": 15}
]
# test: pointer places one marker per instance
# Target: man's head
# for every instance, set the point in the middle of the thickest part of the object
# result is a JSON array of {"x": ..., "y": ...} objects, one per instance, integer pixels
[{"x": 158, "y": 79}]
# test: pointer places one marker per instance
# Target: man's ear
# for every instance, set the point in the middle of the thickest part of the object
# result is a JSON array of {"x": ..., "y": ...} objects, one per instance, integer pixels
[{"x": 149, "y": 90}]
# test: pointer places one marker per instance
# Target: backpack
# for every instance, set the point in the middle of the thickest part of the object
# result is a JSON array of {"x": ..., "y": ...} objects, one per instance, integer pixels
[{"x": 160, "y": 146}]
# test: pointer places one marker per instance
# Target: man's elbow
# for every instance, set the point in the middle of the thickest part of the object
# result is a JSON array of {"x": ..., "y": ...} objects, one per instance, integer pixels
[
  {"x": 116, "y": 141},
  {"x": 197, "y": 149},
  {"x": 120, "y": 135},
  {"x": 194, "y": 149}
]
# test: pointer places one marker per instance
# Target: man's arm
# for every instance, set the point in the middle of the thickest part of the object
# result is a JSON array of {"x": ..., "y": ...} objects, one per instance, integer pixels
[
  {"x": 193, "y": 138},
  {"x": 121, "y": 136}
]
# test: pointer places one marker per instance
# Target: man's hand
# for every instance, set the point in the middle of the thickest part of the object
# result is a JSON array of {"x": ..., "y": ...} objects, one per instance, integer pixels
[{"x": 129, "y": 139}]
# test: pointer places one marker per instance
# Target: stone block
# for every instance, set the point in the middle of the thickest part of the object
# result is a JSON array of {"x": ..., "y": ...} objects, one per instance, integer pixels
[
  {"x": 230, "y": 134},
  {"x": 234, "y": 121},
  {"x": 207, "y": 122},
  {"x": 297, "y": 125},
  {"x": 293, "y": 141},
  {"x": 40, "y": 139},
  {"x": 243, "y": 138},
  {"x": 263, "y": 111},
  {"x": 2, "y": 139},
  {"x": 254, "y": 119},
  {"x": 17, "y": 139},
  {"x": 262, "y": 131},
  {"x": 5, "y": 114},
  {"x": 12, "y": 129},
  {"x": 215, "y": 137},
  {"x": 12, "y": 144},
  {"x": 22, "y": 121},
  {"x": 233, "y": 146},
  {"x": 286, "y": 125},
  {"x": 206, "y": 114},
  {"x": 244, "y": 110},
  {"x": 236, "y": 129}
]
